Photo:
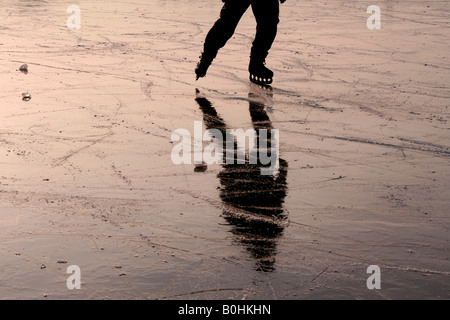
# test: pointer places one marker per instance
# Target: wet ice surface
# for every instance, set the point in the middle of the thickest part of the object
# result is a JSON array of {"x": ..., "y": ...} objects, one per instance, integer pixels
[{"x": 86, "y": 174}]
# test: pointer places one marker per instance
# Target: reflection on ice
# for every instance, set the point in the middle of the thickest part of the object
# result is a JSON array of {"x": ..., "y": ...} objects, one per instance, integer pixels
[{"x": 253, "y": 201}]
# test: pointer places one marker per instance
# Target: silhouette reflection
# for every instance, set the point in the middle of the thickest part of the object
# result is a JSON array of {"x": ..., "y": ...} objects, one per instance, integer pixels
[{"x": 253, "y": 203}]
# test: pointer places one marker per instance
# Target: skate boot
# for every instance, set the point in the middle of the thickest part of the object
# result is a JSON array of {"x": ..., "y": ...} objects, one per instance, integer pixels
[
  {"x": 203, "y": 64},
  {"x": 259, "y": 73}
]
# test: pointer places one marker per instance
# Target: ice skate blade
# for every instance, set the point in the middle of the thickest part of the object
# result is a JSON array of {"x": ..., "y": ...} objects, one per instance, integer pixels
[{"x": 261, "y": 81}]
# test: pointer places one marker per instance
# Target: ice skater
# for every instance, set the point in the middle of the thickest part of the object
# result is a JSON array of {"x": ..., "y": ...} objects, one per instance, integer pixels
[{"x": 266, "y": 13}]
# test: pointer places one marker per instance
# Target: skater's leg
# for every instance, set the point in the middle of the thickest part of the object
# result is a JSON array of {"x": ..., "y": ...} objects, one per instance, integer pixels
[
  {"x": 222, "y": 30},
  {"x": 266, "y": 13}
]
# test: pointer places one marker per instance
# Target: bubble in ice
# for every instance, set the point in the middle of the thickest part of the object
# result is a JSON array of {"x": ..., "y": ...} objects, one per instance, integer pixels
[
  {"x": 26, "y": 96},
  {"x": 24, "y": 68}
]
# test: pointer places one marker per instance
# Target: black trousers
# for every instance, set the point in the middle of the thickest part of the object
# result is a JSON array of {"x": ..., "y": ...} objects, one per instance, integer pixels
[{"x": 266, "y": 13}]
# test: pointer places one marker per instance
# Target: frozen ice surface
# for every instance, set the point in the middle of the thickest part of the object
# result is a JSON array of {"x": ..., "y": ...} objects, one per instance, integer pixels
[{"x": 86, "y": 174}]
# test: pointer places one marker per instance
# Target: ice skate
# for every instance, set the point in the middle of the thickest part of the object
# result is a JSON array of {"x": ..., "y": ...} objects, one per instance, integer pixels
[
  {"x": 203, "y": 65},
  {"x": 260, "y": 74}
]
